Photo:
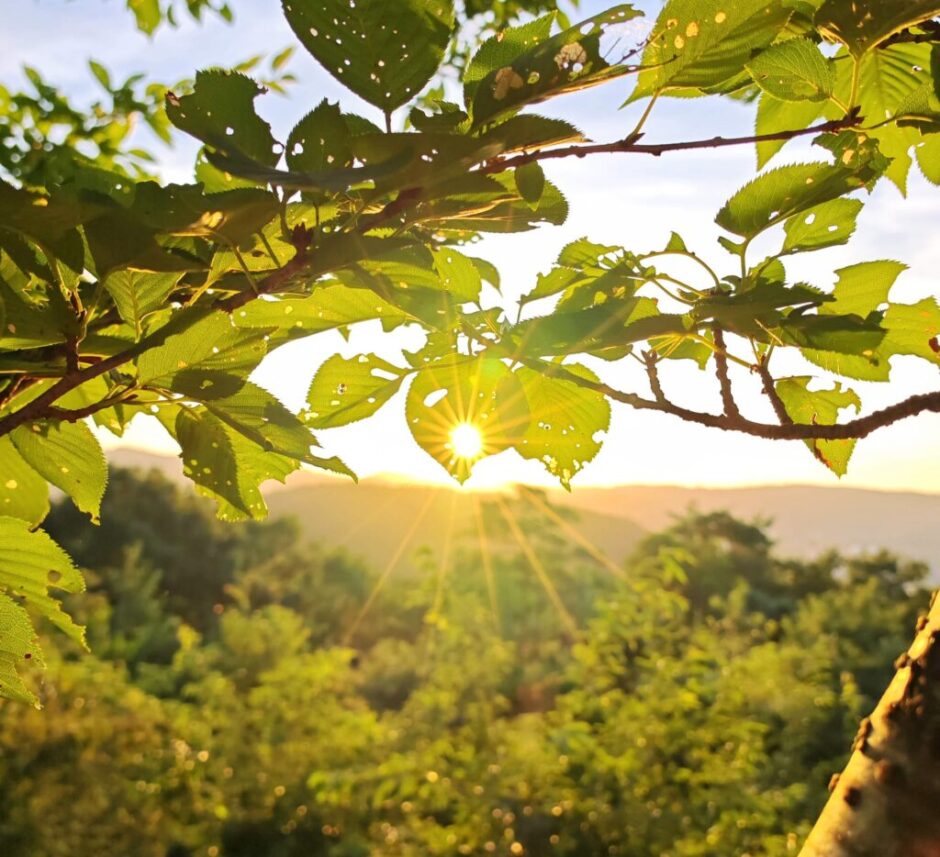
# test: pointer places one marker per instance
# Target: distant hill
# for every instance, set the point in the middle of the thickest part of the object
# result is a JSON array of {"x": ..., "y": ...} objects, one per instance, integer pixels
[{"x": 371, "y": 518}]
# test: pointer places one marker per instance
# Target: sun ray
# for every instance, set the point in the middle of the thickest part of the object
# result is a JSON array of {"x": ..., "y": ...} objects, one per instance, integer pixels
[
  {"x": 487, "y": 561},
  {"x": 444, "y": 563},
  {"x": 570, "y": 530},
  {"x": 539, "y": 569},
  {"x": 389, "y": 568}
]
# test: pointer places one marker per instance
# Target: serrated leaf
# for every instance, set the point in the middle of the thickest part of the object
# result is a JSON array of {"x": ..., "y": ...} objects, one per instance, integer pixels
[
  {"x": 458, "y": 274},
  {"x": 69, "y": 456},
  {"x": 210, "y": 343},
  {"x": 928, "y": 158},
  {"x": 384, "y": 56},
  {"x": 23, "y": 492},
  {"x": 793, "y": 70},
  {"x": 328, "y": 308},
  {"x": 863, "y": 288},
  {"x": 30, "y": 563},
  {"x": 319, "y": 141},
  {"x": 530, "y": 180},
  {"x": 571, "y": 60},
  {"x": 565, "y": 421},
  {"x": 774, "y": 115},
  {"x": 531, "y": 132},
  {"x": 260, "y": 418},
  {"x": 500, "y": 50},
  {"x": 820, "y": 407},
  {"x": 220, "y": 111},
  {"x": 137, "y": 293},
  {"x": 345, "y": 390},
  {"x": 699, "y": 44},
  {"x": 482, "y": 394},
  {"x": 226, "y": 466},
  {"x": 778, "y": 194},
  {"x": 825, "y": 225},
  {"x": 862, "y": 25}
]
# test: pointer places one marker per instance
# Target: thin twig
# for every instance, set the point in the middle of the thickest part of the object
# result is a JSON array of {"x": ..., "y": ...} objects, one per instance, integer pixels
[
  {"x": 721, "y": 370},
  {"x": 630, "y": 145}
]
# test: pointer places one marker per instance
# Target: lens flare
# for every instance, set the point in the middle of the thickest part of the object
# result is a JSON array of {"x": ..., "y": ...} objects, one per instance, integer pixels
[{"x": 466, "y": 440}]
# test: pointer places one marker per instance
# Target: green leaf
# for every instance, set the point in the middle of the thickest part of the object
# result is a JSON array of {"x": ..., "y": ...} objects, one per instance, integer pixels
[
  {"x": 914, "y": 329},
  {"x": 774, "y": 115},
  {"x": 328, "y": 308},
  {"x": 260, "y": 418},
  {"x": 346, "y": 390},
  {"x": 928, "y": 158},
  {"x": 30, "y": 562},
  {"x": 573, "y": 59},
  {"x": 779, "y": 194},
  {"x": 320, "y": 141},
  {"x": 566, "y": 420},
  {"x": 822, "y": 226},
  {"x": 862, "y": 25},
  {"x": 220, "y": 111},
  {"x": 794, "y": 70},
  {"x": 210, "y": 343},
  {"x": 225, "y": 465},
  {"x": 481, "y": 393},
  {"x": 147, "y": 14},
  {"x": 500, "y": 50},
  {"x": 69, "y": 456},
  {"x": 820, "y": 407},
  {"x": 531, "y": 132},
  {"x": 384, "y": 56},
  {"x": 863, "y": 288},
  {"x": 23, "y": 492},
  {"x": 136, "y": 293},
  {"x": 530, "y": 179},
  {"x": 699, "y": 44},
  {"x": 459, "y": 275}
]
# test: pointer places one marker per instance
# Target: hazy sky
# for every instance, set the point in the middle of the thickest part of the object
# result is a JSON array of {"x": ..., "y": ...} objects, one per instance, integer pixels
[{"x": 630, "y": 200}]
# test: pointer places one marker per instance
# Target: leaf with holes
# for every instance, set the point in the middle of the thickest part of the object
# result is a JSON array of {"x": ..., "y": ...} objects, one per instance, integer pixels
[
  {"x": 225, "y": 465},
  {"x": 69, "y": 456},
  {"x": 23, "y": 492},
  {"x": 566, "y": 420},
  {"x": 480, "y": 396},
  {"x": 30, "y": 562},
  {"x": 220, "y": 111},
  {"x": 781, "y": 193},
  {"x": 862, "y": 25},
  {"x": 345, "y": 390},
  {"x": 700, "y": 44},
  {"x": 573, "y": 59},
  {"x": 820, "y": 407},
  {"x": 825, "y": 225},
  {"x": 384, "y": 55}
]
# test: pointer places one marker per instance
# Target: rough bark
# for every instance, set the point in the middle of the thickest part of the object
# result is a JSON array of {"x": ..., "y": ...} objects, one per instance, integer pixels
[{"x": 886, "y": 803}]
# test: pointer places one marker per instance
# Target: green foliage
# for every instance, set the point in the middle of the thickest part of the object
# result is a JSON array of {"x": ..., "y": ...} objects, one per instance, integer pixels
[
  {"x": 120, "y": 297},
  {"x": 708, "y": 695}
]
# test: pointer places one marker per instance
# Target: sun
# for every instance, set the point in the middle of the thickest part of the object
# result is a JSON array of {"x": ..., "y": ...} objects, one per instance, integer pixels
[{"x": 466, "y": 440}]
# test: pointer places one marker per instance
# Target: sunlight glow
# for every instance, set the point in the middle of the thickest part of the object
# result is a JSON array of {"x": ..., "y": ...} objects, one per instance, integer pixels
[{"x": 466, "y": 440}]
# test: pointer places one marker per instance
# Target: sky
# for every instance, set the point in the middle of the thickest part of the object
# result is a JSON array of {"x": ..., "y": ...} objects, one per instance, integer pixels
[{"x": 633, "y": 201}]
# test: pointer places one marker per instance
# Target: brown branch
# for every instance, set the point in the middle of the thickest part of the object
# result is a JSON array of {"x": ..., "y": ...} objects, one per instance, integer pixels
[
  {"x": 770, "y": 391},
  {"x": 630, "y": 145},
  {"x": 650, "y": 359},
  {"x": 721, "y": 370},
  {"x": 854, "y": 429}
]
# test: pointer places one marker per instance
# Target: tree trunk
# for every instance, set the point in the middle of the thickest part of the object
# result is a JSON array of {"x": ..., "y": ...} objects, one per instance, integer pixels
[{"x": 886, "y": 803}]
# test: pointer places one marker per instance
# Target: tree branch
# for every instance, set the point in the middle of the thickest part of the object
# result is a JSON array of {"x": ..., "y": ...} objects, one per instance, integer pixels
[
  {"x": 630, "y": 145},
  {"x": 854, "y": 429},
  {"x": 721, "y": 369},
  {"x": 885, "y": 801},
  {"x": 770, "y": 391}
]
